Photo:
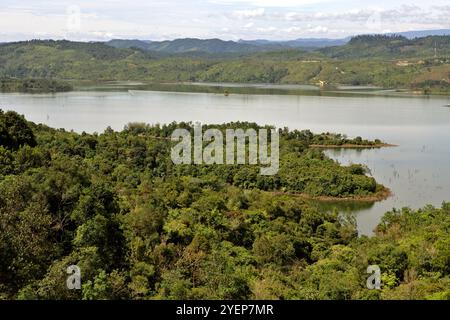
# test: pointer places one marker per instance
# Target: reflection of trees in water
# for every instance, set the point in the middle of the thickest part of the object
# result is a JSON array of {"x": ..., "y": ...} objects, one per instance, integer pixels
[{"x": 341, "y": 206}]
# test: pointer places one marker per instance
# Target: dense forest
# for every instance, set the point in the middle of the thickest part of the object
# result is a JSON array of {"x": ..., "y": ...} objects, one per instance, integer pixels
[
  {"x": 140, "y": 227},
  {"x": 421, "y": 64}
]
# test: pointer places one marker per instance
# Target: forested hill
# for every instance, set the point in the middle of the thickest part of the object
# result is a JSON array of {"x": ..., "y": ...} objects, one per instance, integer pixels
[
  {"x": 140, "y": 227},
  {"x": 189, "y": 45},
  {"x": 217, "y": 46},
  {"x": 385, "y": 61},
  {"x": 390, "y": 47},
  {"x": 127, "y": 44}
]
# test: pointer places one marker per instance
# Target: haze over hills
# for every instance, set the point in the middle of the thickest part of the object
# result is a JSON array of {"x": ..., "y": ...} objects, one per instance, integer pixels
[
  {"x": 216, "y": 46},
  {"x": 212, "y": 46},
  {"x": 424, "y": 33},
  {"x": 306, "y": 43}
]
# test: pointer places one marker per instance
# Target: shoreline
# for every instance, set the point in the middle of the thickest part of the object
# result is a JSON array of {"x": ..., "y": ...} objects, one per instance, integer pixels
[
  {"x": 282, "y": 89},
  {"x": 380, "y": 195},
  {"x": 352, "y": 146}
]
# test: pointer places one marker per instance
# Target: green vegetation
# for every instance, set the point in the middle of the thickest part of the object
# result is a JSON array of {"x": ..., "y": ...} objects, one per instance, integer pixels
[
  {"x": 33, "y": 85},
  {"x": 422, "y": 64},
  {"x": 390, "y": 47},
  {"x": 339, "y": 140},
  {"x": 140, "y": 227},
  {"x": 15, "y": 131}
]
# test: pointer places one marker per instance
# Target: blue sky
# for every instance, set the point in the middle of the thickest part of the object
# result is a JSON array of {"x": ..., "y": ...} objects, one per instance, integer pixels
[{"x": 225, "y": 19}]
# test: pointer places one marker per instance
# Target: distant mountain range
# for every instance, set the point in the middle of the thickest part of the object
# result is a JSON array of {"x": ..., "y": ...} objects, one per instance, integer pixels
[
  {"x": 307, "y": 43},
  {"x": 125, "y": 44},
  {"x": 423, "y": 33},
  {"x": 217, "y": 46},
  {"x": 190, "y": 45}
]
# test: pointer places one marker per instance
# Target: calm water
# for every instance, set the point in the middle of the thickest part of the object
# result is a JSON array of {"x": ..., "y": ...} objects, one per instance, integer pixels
[{"x": 417, "y": 171}]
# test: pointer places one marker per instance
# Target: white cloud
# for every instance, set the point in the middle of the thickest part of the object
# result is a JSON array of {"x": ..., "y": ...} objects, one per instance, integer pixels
[
  {"x": 227, "y": 19},
  {"x": 265, "y": 30},
  {"x": 274, "y": 3},
  {"x": 318, "y": 29},
  {"x": 294, "y": 29},
  {"x": 58, "y": 26},
  {"x": 249, "y": 14}
]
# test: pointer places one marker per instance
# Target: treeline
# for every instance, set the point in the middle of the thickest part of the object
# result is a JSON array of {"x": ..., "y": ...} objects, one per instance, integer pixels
[
  {"x": 140, "y": 227},
  {"x": 33, "y": 85},
  {"x": 378, "y": 38}
]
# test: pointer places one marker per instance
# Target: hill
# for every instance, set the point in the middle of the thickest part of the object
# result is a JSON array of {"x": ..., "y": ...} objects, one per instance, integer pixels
[
  {"x": 127, "y": 44},
  {"x": 306, "y": 43},
  {"x": 217, "y": 46},
  {"x": 189, "y": 45},
  {"x": 390, "y": 47},
  {"x": 379, "y": 60},
  {"x": 424, "y": 33},
  {"x": 89, "y": 61}
]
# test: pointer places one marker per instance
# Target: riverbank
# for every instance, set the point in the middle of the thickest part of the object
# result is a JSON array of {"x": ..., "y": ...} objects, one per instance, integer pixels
[
  {"x": 382, "y": 194},
  {"x": 33, "y": 85},
  {"x": 244, "y": 88},
  {"x": 353, "y": 146}
]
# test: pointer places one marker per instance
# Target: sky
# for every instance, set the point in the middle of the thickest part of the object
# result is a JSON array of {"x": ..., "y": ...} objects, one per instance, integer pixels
[{"x": 89, "y": 20}]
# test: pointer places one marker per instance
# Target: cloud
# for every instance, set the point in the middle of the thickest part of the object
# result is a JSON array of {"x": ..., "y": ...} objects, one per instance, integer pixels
[
  {"x": 249, "y": 14},
  {"x": 318, "y": 29},
  {"x": 227, "y": 19},
  {"x": 371, "y": 17},
  {"x": 273, "y": 3},
  {"x": 59, "y": 26},
  {"x": 266, "y": 30}
]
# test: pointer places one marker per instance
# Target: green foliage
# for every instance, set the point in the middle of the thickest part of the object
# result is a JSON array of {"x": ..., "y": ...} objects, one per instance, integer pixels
[
  {"x": 139, "y": 227},
  {"x": 15, "y": 131},
  {"x": 245, "y": 71}
]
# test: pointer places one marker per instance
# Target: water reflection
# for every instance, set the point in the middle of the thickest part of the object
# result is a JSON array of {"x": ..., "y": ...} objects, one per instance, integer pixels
[{"x": 342, "y": 206}]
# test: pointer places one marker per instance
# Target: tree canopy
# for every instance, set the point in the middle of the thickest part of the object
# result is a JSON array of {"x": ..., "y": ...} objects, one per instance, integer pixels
[{"x": 140, "y": 227}]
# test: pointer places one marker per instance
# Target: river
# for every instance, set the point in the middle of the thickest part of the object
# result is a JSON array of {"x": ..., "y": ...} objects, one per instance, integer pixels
[{"x": 417, "y": 170}]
